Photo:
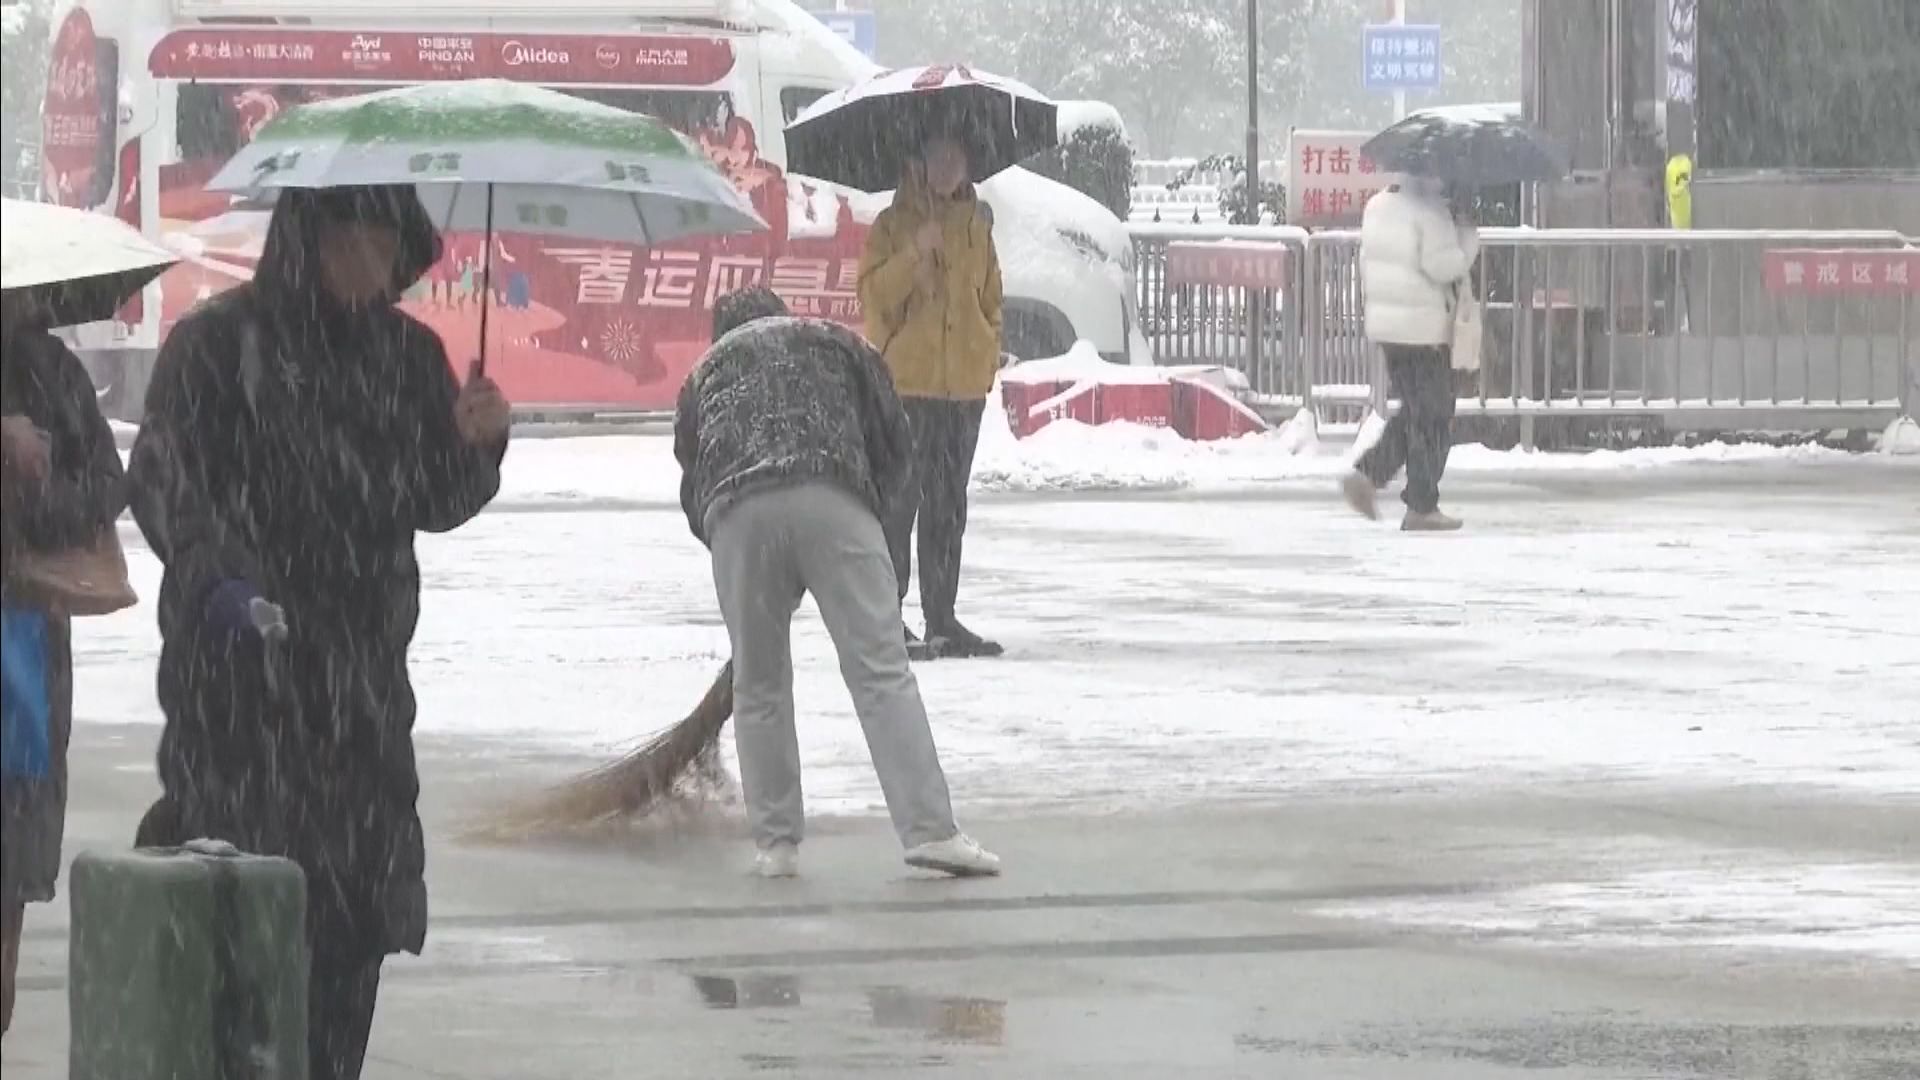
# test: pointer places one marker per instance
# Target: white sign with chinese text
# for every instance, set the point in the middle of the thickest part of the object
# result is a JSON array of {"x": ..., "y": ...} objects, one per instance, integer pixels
[{"x": 1328, "y": 180}]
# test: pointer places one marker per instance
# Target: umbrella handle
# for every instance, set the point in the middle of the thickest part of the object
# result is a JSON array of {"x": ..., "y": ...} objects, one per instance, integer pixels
[{"x": 486, "y": 285}]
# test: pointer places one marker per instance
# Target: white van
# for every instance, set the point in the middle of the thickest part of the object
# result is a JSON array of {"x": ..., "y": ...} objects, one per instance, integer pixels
[{"x": 146, "y": 99}]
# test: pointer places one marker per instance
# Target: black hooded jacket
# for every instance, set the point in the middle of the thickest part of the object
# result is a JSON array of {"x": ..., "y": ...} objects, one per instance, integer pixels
[{"x": 299, "y": 444}]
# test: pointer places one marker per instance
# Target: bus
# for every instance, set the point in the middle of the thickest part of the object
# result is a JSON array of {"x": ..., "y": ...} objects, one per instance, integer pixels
[{"x": 147, "y": 99}]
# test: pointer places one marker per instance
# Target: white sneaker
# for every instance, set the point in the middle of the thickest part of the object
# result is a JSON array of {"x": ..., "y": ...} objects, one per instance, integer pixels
[
  {"x": 782, "y": 860},
  {"x": 958, "y": 856}
]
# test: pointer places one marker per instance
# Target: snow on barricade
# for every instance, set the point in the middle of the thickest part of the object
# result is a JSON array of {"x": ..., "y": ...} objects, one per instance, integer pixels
[
  {"x": 1902, "y": 437},
  {"x": 1194, "y": 402}
]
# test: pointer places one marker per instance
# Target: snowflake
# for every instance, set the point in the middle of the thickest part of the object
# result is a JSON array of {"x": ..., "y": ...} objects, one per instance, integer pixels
[{"x": 620, "y": 341}]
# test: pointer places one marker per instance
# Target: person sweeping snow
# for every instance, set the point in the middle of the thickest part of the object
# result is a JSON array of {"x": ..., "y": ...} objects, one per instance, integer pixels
[{"x": 794, "y": 448}]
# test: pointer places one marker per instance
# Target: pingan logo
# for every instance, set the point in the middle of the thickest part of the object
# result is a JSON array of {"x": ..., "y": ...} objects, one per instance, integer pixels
[{"x": 516, "y": 54}]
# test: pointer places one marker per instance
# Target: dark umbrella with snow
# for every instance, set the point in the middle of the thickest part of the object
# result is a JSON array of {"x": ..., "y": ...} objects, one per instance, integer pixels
[
  {"x": 1475, "y": 145},
  {"x": 864, "y": 135}
]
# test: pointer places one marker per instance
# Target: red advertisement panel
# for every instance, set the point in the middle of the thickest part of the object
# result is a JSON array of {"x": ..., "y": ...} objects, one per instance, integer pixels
[
  {"x": 572, "y": 322},
  {"x": 78, "y": 98},
  {"x": 288, "y": 55},
  {"x": 1886, "y": 272}
]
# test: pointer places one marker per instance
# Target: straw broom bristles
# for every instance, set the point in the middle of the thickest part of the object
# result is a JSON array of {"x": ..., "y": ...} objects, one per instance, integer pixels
[{"x": 631, "y": 785}]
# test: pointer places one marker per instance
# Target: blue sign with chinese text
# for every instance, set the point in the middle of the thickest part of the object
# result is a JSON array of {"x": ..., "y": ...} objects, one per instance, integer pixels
[
  {"x": 855, "y": 27},
  {"x": 1401, "y": 57}
]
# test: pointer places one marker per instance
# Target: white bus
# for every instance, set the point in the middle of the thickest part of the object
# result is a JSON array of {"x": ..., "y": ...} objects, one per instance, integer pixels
[{"x": 147, "y": 99}]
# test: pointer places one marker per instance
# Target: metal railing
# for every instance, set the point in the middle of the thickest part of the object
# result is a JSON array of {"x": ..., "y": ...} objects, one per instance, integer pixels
[
  {"x": 1258, "y": 332},
  {"x": 1706, "y": 328}
]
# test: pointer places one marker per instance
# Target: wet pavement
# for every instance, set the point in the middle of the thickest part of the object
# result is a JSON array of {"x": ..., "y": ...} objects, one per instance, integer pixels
[
  {"x": 1618, "y": 784},
  {"x": 1304, "y": 937}
]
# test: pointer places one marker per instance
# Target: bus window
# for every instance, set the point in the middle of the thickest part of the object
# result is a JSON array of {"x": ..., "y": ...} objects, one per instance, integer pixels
[{"x": 795, "y": 99}]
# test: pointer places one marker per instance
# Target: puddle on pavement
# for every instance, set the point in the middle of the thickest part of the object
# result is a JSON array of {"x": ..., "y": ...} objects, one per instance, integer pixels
[
  {"x": 748, "y": 991},
  {"x": 950, "y": 1019}
]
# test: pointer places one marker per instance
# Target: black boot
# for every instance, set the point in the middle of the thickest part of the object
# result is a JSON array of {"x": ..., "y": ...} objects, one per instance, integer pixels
[{"x": 949, "y": 639}]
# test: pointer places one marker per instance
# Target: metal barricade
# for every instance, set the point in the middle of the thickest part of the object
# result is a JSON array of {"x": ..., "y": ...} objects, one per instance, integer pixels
[
  {"x": 1254, "y": 325},
  {"x": 1703, "y": 329},
  {"x": 1706, "y": 328}
]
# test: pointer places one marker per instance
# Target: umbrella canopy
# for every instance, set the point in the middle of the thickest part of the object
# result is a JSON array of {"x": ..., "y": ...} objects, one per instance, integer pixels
[
  {"x": 75, "y": 265},
  {"x": 863, "y": 136},
  {"x": 488, "y": 153},
  {"x": 1476, "y": 145}
]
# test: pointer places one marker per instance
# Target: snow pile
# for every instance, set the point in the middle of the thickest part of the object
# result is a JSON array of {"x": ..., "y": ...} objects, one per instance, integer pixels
[
  {"x": 1077, "y": 116},
  {"x": 1029, "y": 214},
  {"x": 1902, "y": 437}
]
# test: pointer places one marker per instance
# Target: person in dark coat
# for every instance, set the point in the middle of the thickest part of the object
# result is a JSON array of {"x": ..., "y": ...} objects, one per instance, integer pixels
[
  {"x": 794, "y": 448},
  {"x": 300, "y": 430},
  {"x": 60, "y": 485}
]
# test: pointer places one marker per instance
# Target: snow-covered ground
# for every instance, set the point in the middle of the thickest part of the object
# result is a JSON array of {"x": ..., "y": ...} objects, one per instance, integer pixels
[
  {"x": 1205, "y": 621},
  {"x": 1198, "y": 623}
]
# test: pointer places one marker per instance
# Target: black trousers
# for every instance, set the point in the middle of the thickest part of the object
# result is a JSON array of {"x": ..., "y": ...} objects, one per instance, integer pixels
[
  {"x": 1420, "y": 435},
  {"x": 342, "y": 986},
  {"x": 945, "y": 434}
]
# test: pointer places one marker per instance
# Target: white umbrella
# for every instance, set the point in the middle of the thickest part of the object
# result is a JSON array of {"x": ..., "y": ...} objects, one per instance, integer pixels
[{"x": 75, "y": 265}]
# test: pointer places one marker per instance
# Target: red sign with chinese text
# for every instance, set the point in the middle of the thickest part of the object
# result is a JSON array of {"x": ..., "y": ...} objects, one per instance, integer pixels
[
  {"x": 1225, "y": 262},
  {"x": 300, "y": 55},
  {"x": 1886, "y": 272},
  {"x": 71, "y": 135},
  {"x": 572, "y": 322},
  {"x": 1329, "y": 180}
]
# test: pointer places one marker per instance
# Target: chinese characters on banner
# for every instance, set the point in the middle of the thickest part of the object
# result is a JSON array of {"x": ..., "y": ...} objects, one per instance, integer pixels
[
  {"x": 1329, "y": 180},
  {"x": 1225, "y": 262},
  {"x": 689, "y": 280},
  {"x": 1887, "y": 272},
  {"x": 1401, "y": 57},
  {"x": 563, "y": 59}
]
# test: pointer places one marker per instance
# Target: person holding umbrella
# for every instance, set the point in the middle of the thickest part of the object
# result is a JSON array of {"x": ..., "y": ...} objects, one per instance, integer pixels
[
  {"x": 930, "y": 287},
  {"x": 1418, "y": 245},
  {"x": 300, "y": 431},
  {"x": 1414, "y": 258},
  {"x": 930, "y": 282},
  {"x": 61, "y": 490},
  {"x": 61, "y": 487}
]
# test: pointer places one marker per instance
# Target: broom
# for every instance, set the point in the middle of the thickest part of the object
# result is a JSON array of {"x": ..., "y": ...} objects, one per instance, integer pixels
[{"x": 631, "y": 785}]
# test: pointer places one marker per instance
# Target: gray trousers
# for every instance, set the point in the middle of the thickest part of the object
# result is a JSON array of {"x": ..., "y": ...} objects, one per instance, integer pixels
[{"x": 770, "y": 548}]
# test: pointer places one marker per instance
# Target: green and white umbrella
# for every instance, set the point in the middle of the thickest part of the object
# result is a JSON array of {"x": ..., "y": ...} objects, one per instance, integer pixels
[{"x": 489, "y": 154}]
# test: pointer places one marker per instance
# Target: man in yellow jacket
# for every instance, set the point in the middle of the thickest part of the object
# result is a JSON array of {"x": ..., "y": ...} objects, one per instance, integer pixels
[{"x": 930, "y": 287}]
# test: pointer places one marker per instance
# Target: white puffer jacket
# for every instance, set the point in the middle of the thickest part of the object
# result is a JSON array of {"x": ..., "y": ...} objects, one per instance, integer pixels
[{"x": 1411, "y": 255}]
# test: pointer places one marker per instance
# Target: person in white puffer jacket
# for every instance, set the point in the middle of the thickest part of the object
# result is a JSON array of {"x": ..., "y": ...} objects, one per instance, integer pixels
[{"x": 1413, "y": 256}]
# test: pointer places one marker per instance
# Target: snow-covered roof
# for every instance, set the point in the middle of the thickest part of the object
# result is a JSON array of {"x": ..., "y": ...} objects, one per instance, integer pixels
[
  {"x": 787, "y": 16},
  {"x": 1076, "y": 115}
]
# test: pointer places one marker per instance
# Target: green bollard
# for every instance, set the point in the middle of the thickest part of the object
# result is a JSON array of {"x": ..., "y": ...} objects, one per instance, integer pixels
[{"x": 188, "y": 964}]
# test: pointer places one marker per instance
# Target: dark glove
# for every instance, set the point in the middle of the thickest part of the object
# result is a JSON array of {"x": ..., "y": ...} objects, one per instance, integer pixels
[{"x": 235, "y": 607}]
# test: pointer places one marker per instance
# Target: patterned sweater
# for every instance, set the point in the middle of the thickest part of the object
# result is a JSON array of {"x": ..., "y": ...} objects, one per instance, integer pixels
[{"x": 783, "y": 401}]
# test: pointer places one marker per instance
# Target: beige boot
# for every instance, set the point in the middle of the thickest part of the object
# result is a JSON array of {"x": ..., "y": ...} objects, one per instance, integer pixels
[
  {"x": 1361, "y": 495},
  {"x": 1433, "y": 522}
]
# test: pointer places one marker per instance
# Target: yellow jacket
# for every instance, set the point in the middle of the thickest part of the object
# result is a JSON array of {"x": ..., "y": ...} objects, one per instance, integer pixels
[{"x": 939, "y": 324}]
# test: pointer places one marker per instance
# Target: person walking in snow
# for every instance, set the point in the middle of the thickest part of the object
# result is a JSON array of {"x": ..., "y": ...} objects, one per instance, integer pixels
[
  {"x": 794, "y": 448},
  {"x": 1414, "y": 256},
  {"x": 930, "y": 287},
  {"x": 300, "y": 431}
]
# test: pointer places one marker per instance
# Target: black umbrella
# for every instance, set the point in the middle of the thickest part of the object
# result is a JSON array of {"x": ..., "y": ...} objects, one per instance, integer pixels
[
  {"x": 1475, "y": 145},
  {"x": 863, "y": 136},
  {"x": 72, "y": 266}
]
